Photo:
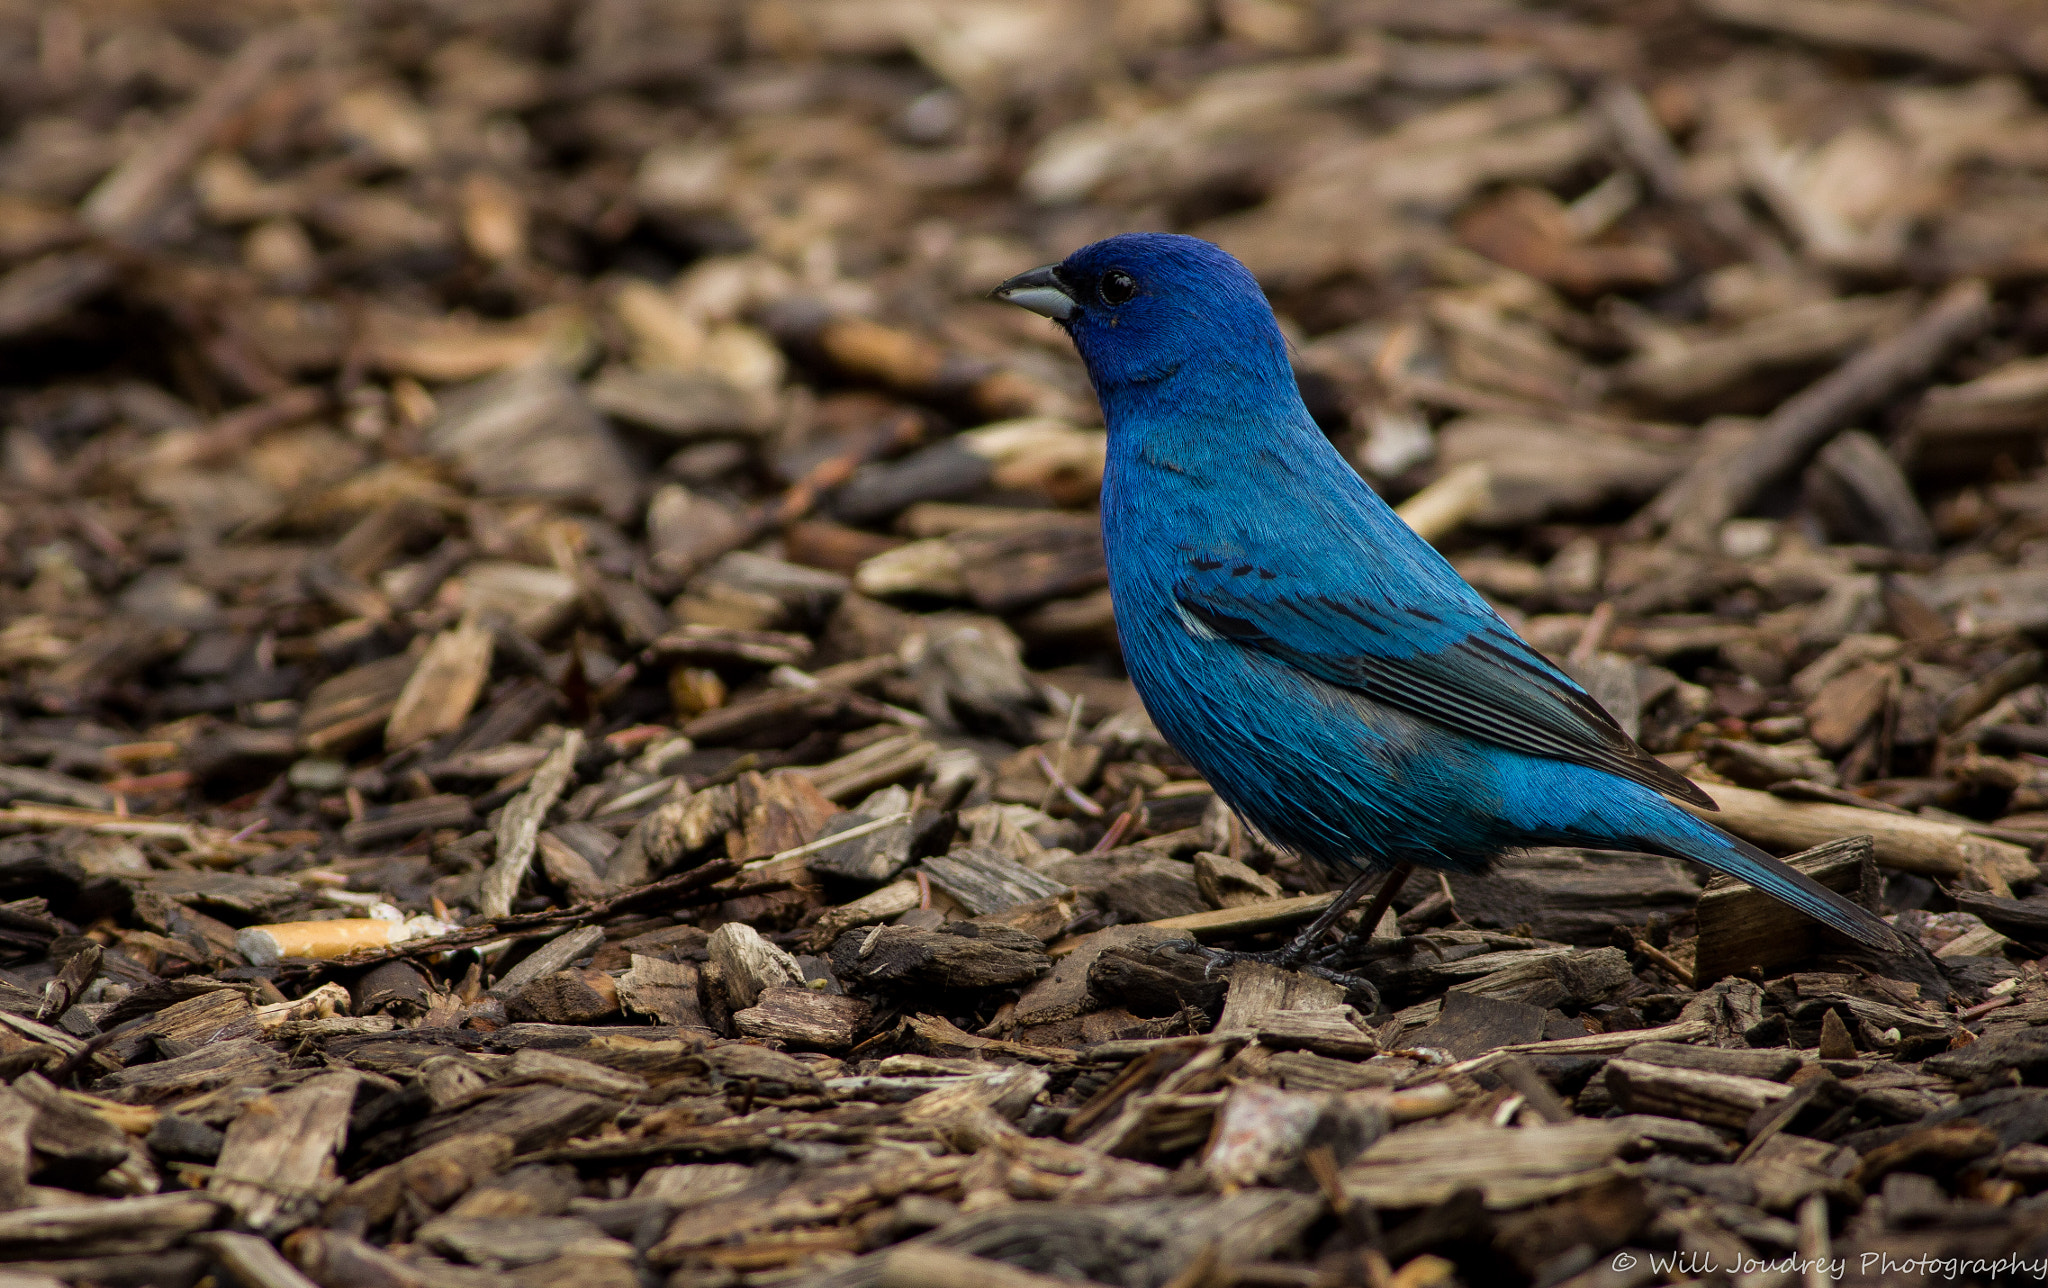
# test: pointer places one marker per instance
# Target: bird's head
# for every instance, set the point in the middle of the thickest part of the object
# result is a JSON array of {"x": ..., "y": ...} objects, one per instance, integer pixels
[{"x": 1143, "y": 305}]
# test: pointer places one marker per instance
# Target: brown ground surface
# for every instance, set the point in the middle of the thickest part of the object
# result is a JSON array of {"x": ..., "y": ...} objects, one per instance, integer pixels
[{"x": 486, "y": 488}]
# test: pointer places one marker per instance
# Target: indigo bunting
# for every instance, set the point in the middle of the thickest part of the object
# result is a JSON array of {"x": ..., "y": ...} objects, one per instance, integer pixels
[{"x": 1334, "y": 679}]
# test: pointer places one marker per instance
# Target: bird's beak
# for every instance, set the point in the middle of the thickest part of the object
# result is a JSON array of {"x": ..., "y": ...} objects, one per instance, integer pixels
[{"x": 1041, "y": 291}]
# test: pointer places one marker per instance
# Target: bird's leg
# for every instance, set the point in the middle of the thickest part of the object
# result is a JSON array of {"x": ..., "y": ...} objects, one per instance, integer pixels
[
  {"x": 1304, "y": 943},
  {"x": 1381, "y": 902},
  {"x": 1295, "y": 955}
]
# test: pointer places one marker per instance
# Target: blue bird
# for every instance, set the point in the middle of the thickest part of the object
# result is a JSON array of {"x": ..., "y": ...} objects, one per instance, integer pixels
[{"x": 1334, "y": 679}]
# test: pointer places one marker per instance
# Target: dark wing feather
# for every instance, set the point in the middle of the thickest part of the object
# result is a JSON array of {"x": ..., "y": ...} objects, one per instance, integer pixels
[{"x": 1483, "y": 682}]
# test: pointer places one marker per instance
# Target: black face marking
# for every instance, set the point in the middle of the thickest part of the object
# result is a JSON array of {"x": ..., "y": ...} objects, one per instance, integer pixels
[
  {"x": 1206, "y": 565},
  {"x": 1240, "y": 570}
]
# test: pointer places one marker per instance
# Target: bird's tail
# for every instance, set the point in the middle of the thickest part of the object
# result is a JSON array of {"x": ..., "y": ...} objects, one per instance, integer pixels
[{"x": 1705, "y": 844}]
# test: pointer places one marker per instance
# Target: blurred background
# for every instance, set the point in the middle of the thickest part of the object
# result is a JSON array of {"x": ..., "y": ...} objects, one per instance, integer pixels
[
  {"x": 1709, "y": 325},
  {"x": 470, "y": 460}
]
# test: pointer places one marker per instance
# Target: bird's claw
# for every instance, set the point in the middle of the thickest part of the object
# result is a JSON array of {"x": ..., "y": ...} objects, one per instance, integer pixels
[
  {"x": 1285, "y": 958},
  {"x": 1290, "y": 958}
]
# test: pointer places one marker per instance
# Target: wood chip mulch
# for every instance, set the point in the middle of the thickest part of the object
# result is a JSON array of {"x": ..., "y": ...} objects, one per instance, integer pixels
[{"x": 561, "y": 715}]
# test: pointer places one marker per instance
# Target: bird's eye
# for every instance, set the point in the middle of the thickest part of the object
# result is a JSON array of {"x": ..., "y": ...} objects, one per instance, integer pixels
[{"x": 1118, "y": 286}]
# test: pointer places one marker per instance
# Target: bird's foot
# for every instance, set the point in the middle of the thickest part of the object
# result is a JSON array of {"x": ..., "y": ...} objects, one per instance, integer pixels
[
  {"x": 1357, "y": 988},
  {"x": 1289, "y": 958}
]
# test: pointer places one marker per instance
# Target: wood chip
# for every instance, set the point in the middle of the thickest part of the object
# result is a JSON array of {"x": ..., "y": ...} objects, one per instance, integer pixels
[{"x": 565, "y": 721}]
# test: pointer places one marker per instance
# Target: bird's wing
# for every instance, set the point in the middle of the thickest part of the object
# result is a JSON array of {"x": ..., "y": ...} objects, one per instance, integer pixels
[{"x": 1453, "y": 663}]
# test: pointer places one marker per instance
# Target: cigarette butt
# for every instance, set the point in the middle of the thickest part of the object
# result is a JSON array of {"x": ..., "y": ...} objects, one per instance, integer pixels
[{"x": 264, "y": 945}]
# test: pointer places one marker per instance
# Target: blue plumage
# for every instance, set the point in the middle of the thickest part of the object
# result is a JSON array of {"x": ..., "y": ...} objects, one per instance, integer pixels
[{"x": 1329, "y": 673}]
